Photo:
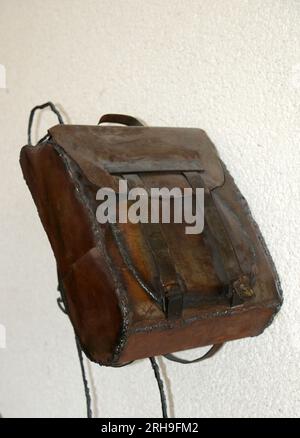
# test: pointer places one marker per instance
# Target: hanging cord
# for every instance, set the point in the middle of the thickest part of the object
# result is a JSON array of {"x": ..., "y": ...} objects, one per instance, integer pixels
[
  {"x": 62, "y": 306},
  {"x": 160, "y": 387},
  {"x": 31, "y": 117},
  {"x": 84, "y": 379}
]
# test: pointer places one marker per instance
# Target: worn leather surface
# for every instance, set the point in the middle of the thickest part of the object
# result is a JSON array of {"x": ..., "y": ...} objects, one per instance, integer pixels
[
  {"x": 115, "y": 319},
  {"x": 139, "y": 149}
]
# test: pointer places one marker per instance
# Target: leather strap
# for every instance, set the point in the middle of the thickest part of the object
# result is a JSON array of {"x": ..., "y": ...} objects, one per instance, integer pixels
[
  {"x": 170, "y": 295},
  {"x": 170, "y": 282},
  {"x": 226, "y": 261},
  {"x": 211, "y": 352},
  {"x": 121, "y": 119}
]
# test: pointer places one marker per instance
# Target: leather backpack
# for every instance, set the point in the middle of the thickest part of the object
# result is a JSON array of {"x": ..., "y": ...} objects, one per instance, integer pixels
[{"x": 137, "y": 290}]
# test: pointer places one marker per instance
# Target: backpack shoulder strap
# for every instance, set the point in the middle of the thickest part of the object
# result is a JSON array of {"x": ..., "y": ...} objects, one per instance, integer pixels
[{"x": 210, "y": 353}]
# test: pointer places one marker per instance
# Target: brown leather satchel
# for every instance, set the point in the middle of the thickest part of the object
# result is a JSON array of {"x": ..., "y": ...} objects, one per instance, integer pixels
[{"x": 139, "y": 290}]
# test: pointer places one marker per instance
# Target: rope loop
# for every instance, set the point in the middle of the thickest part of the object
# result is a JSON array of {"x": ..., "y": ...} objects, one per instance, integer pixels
[{"x": 32, "y": 113}]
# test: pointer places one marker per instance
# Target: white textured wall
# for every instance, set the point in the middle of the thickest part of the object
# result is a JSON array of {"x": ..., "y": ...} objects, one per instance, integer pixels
[{"x": 231, "y": 67}]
